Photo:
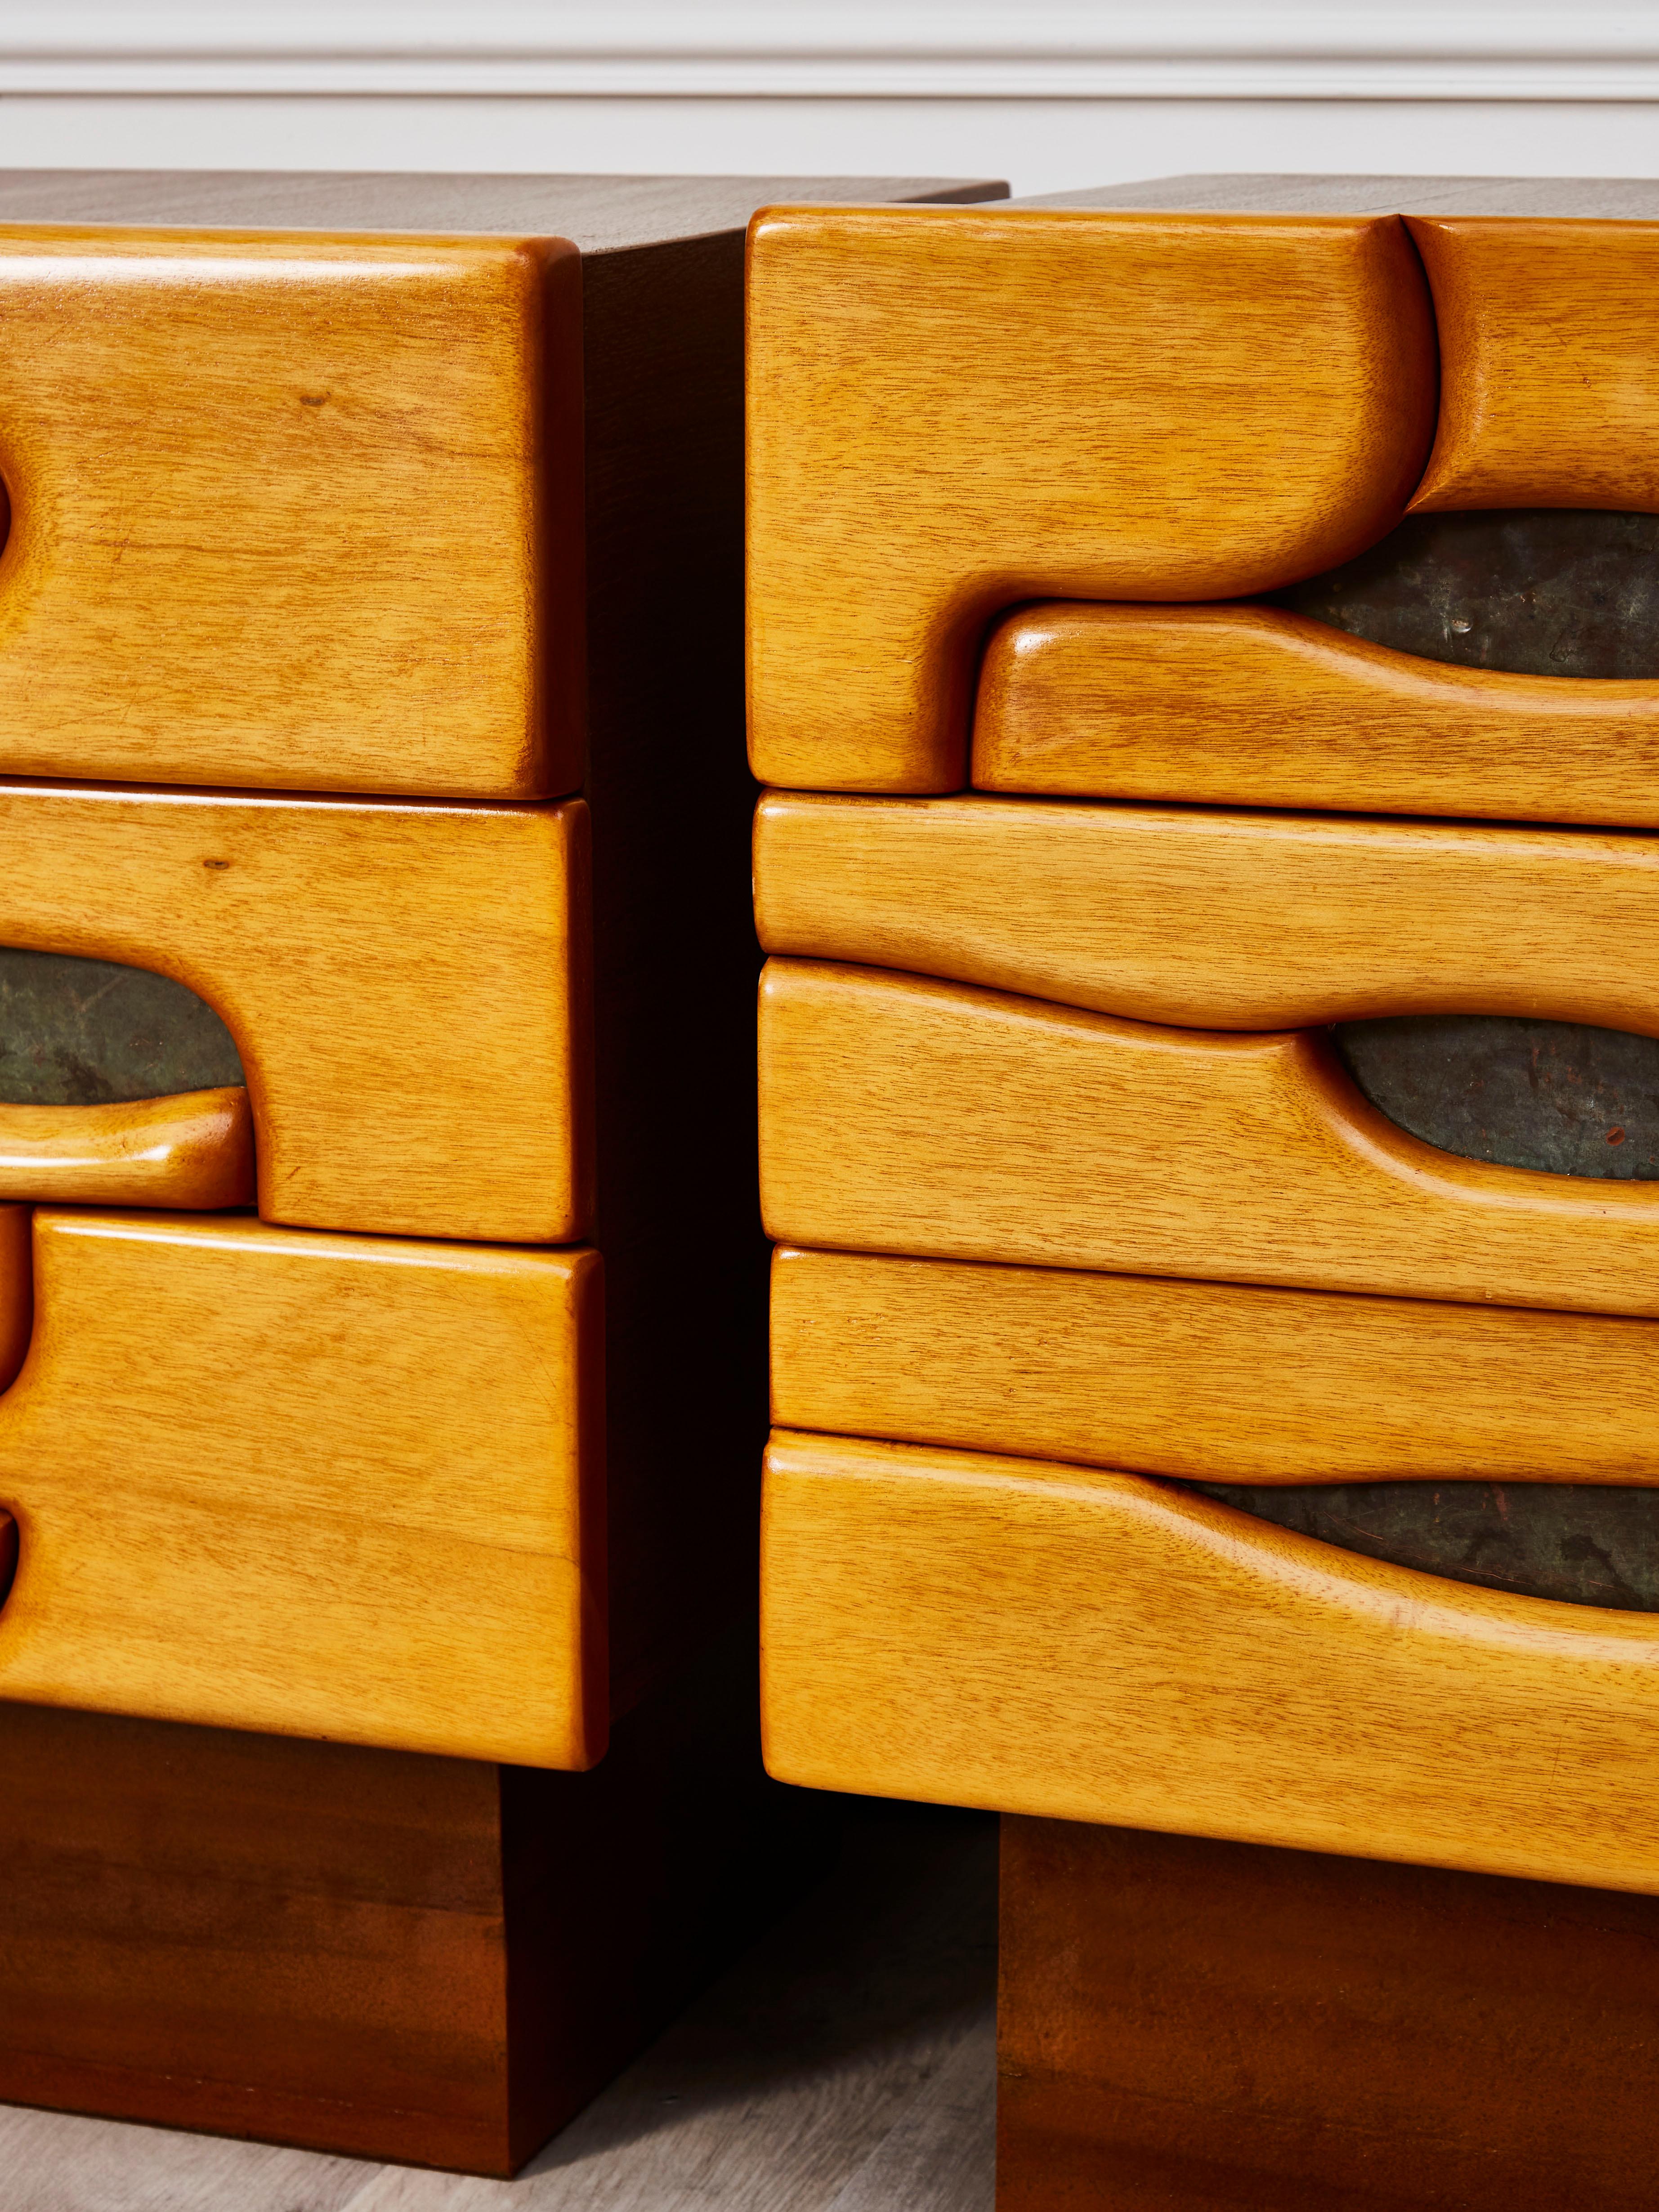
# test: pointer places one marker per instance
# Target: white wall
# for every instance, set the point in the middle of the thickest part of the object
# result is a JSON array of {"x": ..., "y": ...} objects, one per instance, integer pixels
[{"x": 1053, "y": 95}]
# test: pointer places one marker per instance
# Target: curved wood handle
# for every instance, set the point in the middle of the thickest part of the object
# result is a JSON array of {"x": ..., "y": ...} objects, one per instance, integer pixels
[{"x": 193, "y": 1151}]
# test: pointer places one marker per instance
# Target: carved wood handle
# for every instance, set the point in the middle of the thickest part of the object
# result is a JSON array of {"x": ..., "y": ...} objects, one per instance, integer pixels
[{"x": 193, "y": 1151}]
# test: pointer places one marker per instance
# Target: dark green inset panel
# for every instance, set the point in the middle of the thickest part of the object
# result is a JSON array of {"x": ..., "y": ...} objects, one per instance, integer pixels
[
  {"x": 1557, "y": 1096},
  {"x": 1541, "y": 591},
  {"x": 88, "y": 1032},
  {"x": 1584, "y": 1544}
]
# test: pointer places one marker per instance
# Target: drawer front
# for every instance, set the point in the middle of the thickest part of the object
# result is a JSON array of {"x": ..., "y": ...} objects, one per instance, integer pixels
[
  {"x": 407, "y": 985},
  {"x": 1549, "y": 373},
  {"x": 322, "y": 1485},
  {"x": 1209, "y": 1382},
  {"x": 1091, "y": 1646},
  {"x": 1212, "y": 920},
  {"x": 292, "y": 511},
  {"x": 901, "y": 1114},
  {"x": 951, "y": 410}
]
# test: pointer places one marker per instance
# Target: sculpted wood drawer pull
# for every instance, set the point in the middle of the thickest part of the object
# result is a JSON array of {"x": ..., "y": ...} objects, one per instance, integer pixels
[
  {"x": 1256, "y": 706},
  {"x": 194, "y": 1150}
]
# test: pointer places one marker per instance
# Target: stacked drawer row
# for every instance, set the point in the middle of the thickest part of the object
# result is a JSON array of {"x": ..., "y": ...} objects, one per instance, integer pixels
[
  {"x": 306, "y": 712},
  {"x": 383, "y": 1455},
  {"x": 1077, "y": 847}
]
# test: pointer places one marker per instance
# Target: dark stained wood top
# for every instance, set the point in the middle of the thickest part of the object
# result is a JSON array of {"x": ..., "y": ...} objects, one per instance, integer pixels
[
  {"x": 601, "y": 215},
  {"x": 1612, "y": 198}
]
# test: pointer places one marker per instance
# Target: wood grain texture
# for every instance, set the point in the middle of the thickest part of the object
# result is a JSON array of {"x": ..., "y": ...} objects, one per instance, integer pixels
[
  {"x": 853, "y": 2045},
  {"x": 1611, "y": 199},
  {"x": 1259, "y": 706},
  {"x": 318, "y": 1485},
  {"x": 1549, "y": 378},
  {"x": 604, "y": 216},
  {"x": 953, "y": 410},
  {"x": 407, "y": 984},
  {"x": 1086, "y": 1646},
  {"x": 1208, "y": 1382},
  {"x": 377, "y": 1953},
  {"x": 1219, "y": 921},
  {"x": 293, "y": 511},
  {"x": 899, "y": 1115},
  {"x": 193, "y": 1151},
  {"x": 1344, "y": 2033}
]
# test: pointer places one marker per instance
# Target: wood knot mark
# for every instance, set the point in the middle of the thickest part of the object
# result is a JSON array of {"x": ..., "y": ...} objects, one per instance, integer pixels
[{"x": 215, "y": 864}]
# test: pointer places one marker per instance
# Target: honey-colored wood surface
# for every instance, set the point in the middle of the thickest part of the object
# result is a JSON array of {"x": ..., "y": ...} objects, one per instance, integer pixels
[
  {"x": 1224, "y": 920},
  {"x": 1549, "y": 375},
  {"x": 324, "y": 1485},
  {"x": 1343, "y": 2033},
  {"x": 899, "y": 1115},
  {"x": 1089, "y": 1646},
  {"x": 293, "y": 511},
  {"x": 951, "y": 409},
  {"x": 194, "y": 1150},
  {"x": 16, "y": 1290},
  {"x": 1208, "y": 1382},
  {"x": 1257, "y": 707},
  {"x": 407, "y": 984}
]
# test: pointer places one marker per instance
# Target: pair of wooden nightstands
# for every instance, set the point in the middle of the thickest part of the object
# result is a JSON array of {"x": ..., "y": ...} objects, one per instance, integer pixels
[
  {"x": 1174, "y": 847},
  {"x": 371, "y": 616}
]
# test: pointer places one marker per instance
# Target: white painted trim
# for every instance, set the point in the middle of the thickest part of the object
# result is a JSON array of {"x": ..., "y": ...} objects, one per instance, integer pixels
[{"x": 1478, "y": 50}]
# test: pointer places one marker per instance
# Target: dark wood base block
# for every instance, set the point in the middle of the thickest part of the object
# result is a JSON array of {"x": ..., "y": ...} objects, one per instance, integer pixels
[
  {"x": 1195, "y": 2027},
  {"x": 432, "y": 1961}
]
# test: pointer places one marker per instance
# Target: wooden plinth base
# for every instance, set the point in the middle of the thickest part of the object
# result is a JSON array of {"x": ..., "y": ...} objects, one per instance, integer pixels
[
  {"x": 426, "y": 1959},
  {"x": 1196, "y": 2027}
]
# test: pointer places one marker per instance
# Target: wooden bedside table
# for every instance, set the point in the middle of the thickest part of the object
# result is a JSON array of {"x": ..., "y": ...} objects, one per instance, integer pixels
[
  {"x": 372, "y": 612},
  {"x": 1207, "y": 1067}
]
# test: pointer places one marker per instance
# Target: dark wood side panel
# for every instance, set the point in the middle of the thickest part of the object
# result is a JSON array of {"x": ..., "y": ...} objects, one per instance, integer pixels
[{"x": 674, "y": 946}]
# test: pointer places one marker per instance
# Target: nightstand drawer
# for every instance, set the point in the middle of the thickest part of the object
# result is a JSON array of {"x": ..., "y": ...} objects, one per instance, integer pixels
[
  {"x": 292, "y": 510},
  {"x": 1209, "y": 1382},
  {"x": 408, "y": 985},
  {"x": 1091, "y": 1646},
  {"x": 338, "y": 1487},
  {"x": 901, "y": 1114}
]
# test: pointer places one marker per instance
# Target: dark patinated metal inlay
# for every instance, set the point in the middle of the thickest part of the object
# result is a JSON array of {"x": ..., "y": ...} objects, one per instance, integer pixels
[
  {"x": 88, "y": 1032},
  {"x": 1540, "y": 591},
  {"x": 1582, "y": 1544},
  {"x": 1556, "y": 1096}
]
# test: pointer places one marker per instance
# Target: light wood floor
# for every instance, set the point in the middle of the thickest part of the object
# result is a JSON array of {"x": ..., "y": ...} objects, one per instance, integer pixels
[{"x": 846, "y": 2064}]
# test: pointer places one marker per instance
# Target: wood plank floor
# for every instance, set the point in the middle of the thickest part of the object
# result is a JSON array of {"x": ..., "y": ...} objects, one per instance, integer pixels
[{"x": 846, "y": 2064}]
